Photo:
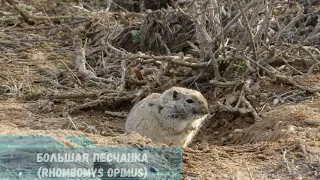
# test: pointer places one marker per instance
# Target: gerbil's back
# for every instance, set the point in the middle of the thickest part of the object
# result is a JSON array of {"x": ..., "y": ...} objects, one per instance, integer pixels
[{"x": 139, "y": 115}]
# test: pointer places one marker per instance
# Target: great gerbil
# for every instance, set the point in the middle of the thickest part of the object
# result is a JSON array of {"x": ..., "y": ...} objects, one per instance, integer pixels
[{"x": 173, "y": 117}]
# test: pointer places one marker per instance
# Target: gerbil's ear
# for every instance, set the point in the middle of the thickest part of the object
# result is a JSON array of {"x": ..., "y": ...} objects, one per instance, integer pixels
[{"x": 176, "y": 95}]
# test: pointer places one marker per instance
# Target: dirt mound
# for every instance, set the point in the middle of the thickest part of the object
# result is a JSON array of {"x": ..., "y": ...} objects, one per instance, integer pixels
[{"x": 286, "y": 121}]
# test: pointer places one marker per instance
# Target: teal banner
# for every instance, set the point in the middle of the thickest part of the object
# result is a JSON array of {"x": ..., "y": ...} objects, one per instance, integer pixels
[{"x": 42, "y": 157}]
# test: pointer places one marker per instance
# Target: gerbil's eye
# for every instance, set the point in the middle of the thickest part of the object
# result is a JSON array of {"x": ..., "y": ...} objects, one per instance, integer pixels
[
  {"x": 176, "y": 95},
  {"x": 189, "y": 101}
]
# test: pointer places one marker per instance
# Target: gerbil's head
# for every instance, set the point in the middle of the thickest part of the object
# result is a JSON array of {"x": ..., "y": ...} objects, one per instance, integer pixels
[{"x": 186, "y": 103}]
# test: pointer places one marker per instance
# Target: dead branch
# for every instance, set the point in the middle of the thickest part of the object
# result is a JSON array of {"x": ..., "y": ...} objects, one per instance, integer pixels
[
  {"x": 233, "y": 23},
  {"x": 291, "y": 24},
  {"x": 189, "y": 81},
  {"x": 106, "y": 101},
  {"x": 249, "y": 172},
  {"x": 151, "y": 84},
  {"x": 123, "y": 77},
  {"x": 116, "y": 114},
  {"x": 46, "y": 27},
  {"x": 25, "y": 15},
  {"x": 251, "y": 36},
  {"x": 264, "y": 28},
  {"x": 71, "y": 121},
  {"x": 284, "y": 152},
  {"x": 142, "y": 91},
  {"x": 306, "y": 49},
  {"x": 205, "y": 39},
  {"x": 81, "y": 67},
  {"x": 81, "y": 95},
  {"x": 163, "y": 69},
  {"x": 224, "y": 84},
  {"x": 30, "y": 19},
  {"x": 291, "y": 67},
  {"x": 172, "y": 59},
  {"x": 290, "y": 80},
  {"x": 232, "y": 109},
  {"x": 242, "y": 98},
  {"x": 311, "y": 69},
  {"x": 315, "y": 34},
  {"x": 3, "y": 13}
]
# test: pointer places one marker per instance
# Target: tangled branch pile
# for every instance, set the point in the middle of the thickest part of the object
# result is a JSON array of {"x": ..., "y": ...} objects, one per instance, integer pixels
[{"x": 227, "y": 46}]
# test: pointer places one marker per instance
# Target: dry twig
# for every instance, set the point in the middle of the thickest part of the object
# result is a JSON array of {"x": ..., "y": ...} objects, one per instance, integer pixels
[
  {"x": 81, "y": 67},
  {"x": 30, "y": 19},
  {"x": 106, "y": 101}
]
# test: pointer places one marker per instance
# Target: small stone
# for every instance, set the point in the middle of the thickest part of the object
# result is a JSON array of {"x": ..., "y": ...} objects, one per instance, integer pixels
[
  {"x": 230, "y": 135},
  {"x": 291, "y": 128},
  {"x": 268, "y": 108},
  {"x": 275, "y": 101}
]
